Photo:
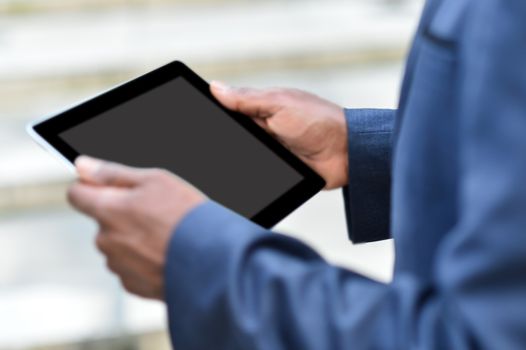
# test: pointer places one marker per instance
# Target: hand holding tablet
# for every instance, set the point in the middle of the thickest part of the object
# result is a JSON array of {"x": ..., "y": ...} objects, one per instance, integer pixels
[{"x": 168, "y": 119}]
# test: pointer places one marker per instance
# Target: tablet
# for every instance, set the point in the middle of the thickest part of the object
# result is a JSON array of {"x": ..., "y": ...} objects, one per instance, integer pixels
[{"x": 169, "y": 119}]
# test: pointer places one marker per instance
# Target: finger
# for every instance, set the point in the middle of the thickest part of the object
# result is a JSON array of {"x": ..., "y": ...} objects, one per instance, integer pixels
[
  {"x": 104, "y": 173},
  {"x": 138, "y": 287},
  {"x": 134, "y": 278},
  {"x": 252, "y": 102},
  {"x": 262, "y": 123},
  {"x": 98, "y": 202}
]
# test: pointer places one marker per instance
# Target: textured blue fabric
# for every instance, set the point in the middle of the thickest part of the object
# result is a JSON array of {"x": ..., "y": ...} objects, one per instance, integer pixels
[
  {"x": 367, "y": 206},
  {"x": 458, "y": 216}
]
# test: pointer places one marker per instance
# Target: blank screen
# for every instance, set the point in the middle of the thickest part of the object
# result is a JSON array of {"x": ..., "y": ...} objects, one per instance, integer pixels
[{"x": 176, "y": 127}]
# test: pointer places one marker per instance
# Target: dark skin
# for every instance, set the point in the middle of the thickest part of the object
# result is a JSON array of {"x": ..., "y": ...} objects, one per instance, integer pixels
[{"x": 138, "y": 209}]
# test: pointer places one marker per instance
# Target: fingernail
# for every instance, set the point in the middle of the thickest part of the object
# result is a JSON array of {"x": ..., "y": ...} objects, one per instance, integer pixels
[
  {"x": 87, "y": 164},
  {"x": 220, "y": 86}
]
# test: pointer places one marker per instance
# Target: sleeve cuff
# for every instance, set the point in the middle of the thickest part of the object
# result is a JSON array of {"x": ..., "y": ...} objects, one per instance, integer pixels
[{"x": 367, "y": 196}]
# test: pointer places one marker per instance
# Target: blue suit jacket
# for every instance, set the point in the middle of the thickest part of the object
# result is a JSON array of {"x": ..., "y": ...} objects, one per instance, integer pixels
[{"x": 453, "y": 196}]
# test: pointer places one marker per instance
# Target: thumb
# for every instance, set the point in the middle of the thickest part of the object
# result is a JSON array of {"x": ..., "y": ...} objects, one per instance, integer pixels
[
  {"x": 252, "y": 102},
  {"x": 103, "y": 173}
]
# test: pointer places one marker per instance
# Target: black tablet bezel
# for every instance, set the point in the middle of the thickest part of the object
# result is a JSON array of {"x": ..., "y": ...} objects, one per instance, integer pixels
[{"x": 50, "y": 129}]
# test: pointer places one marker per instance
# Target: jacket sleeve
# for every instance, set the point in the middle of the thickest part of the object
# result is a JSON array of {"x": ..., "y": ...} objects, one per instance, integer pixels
[
  {"x": 232, "y": 285},
  {"x": 367, "y": 197}
]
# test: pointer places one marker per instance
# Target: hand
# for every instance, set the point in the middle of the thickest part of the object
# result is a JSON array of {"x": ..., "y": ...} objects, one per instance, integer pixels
[
  {"x": 312, "y": 128},
  {"x": 137, "y": 211}
]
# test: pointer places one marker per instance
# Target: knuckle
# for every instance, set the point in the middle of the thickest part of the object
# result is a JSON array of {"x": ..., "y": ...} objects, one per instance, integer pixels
[
  {"x": 165, "y": 174},
  {"x": 273, "y": 93},
  {"x": 243, "y": 91},
  {"x": 107, "y": 203},
  {"x": 294, "y": 94},
  {"x": 161, "y": 175},
  {"x": 111, "y": 266},
  {"x": 156, "y": 173},
  {"x": 101, "y": 242},
  {"x": 127, "y": 285},
  {"x": 100, "y": 205},
  {"x": 281, "y": 96},
  {"x": 109, "y": 173},
  {"x": 282, "y": 91},
  {"x": 102, "y": 172},
  {"x": 71, "y": 193}
]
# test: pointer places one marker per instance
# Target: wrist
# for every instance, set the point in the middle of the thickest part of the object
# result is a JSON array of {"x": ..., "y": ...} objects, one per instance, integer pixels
[{"x": 339, "y": 176}]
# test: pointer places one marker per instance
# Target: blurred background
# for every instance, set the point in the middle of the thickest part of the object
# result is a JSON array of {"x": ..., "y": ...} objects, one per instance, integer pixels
[{"x": 55, "y": 292}]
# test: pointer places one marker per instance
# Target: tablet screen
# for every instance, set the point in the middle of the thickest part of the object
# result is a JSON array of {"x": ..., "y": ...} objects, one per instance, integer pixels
[{"x": 176, "y": 127}]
